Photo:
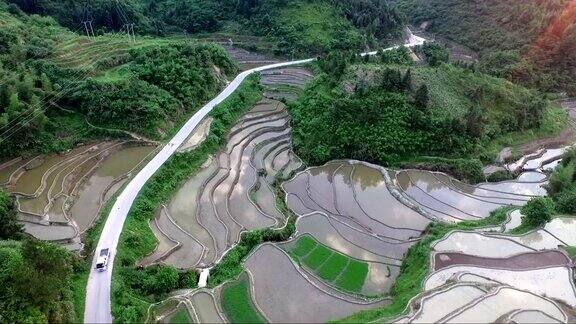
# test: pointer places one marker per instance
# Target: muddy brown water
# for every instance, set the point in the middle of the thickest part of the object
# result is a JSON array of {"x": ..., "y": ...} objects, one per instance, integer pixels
[
  {"x": 284, "y": 295},
  {"x": 92, "y": 193},
  {"x": 205, "y": 308},
  {"x": 517, "y": 262},
  {"x": 214, "y": 206},
  {"x": 69, "y": 188}
]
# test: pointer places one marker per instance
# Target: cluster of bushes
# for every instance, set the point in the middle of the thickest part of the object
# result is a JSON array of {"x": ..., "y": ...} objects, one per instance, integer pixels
[
  {"x": 35, "y": 279},
  {"x": 137, "y": 240},
  {"x": 161, "y": 85},
  {"x": 537, "y": 212},
  {"x": 562, "y": 185},
  {"x": 386, "y": 111}
]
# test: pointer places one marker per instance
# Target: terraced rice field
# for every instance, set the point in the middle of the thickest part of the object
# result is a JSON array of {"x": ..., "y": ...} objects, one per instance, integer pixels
[
  {"x": 231, "y": 194},
  {"x": 285, "y": 83},
  {"x": 59, "y": 196},
  {"x": 355, "y": 223},
  {"x": 247, "y": 59},
  {"x": 447, "y": 199},
  {"x": 485, "y": 277},
  {"x": 541, "y": 160}
]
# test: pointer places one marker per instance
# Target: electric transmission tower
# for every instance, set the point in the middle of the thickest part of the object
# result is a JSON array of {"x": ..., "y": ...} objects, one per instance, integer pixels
[
  {"x": 87, "y": 20},
  {"x": 127, "y": 24}
]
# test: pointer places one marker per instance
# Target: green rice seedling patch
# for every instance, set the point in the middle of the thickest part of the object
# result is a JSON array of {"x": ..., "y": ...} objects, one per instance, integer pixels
[
  {"x": 317, "y": 257},
  {"x": 237, "y": 304},
  {"x": 180, "y": 317},
  {"x": 354, "y": 276},
  {"x": 304, "y": 245},
  {"x": 333, "y": 266}
]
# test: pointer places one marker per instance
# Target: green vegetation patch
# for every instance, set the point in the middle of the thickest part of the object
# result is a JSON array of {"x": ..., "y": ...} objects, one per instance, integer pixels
[
  {"x": 304, "y": 245},
  {"x": 353, "y": 276},
  {"x": 237, "y": 303},
  {"x": 317, "y": 257},
  {"x": 332, "y": 266},
  {"x": 180, "y": 317},
  {"x": 445, "y": 117},
  {"x": 517, "y": 39}
]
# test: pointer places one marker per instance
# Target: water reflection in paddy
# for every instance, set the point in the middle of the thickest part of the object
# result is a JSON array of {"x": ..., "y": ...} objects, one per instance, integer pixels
[
  {"x": 438, "y": 192},
  {"x": 69, "y": 188}
]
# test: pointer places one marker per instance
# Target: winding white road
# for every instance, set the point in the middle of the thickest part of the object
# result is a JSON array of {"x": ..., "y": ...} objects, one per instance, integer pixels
[{"x": 98, "y": 288}]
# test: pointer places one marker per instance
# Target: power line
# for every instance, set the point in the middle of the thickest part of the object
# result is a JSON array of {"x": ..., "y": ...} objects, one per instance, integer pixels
[{"x": 22, "y": 113}]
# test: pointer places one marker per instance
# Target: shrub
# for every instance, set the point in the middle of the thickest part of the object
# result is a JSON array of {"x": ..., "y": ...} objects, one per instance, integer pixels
[
  {"x": 566, "y": 201},
  {"x": 561, "y": 179},
  {"x": 537, "y": 212},
  {"x": 500, "y": 175}
]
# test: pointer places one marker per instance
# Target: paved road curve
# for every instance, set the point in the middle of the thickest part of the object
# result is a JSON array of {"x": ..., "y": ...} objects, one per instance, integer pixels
[{"x": 98, "y": 288}]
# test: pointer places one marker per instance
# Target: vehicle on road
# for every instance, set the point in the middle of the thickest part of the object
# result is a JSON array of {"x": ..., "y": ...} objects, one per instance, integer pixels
[{"x": 102, "y": 262}]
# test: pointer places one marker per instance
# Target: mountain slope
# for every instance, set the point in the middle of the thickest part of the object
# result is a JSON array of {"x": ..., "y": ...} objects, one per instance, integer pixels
[{"x": 530, "y": 41}]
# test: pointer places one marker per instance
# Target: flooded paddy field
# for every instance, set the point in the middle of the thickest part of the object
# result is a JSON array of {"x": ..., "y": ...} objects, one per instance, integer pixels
[
  {"x": 59, "y": 196},
  {"x": 285, "y": 295},
  {"x": 232, "y": 192},
  {"x": 451, "y": 200},
  {"x": 508, "y": 277}
]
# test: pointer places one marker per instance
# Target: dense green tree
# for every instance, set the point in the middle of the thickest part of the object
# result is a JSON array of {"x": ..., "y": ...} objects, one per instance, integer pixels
[
  {"x": 537, "y": 212},
  {"x": 10, "y": 227},
  {"x": 421, "y": 96},
  {"x": 434, "y": 53},
  {"x": 35, "y": 282}
]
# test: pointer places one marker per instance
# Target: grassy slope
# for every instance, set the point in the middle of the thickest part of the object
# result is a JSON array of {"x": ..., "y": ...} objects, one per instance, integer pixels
[
  {"x": 317, "y": 25},
  {"x": 484, "y": 25},
  {"x": 508, "y": 35},
  {"x": 181, "y": 317}
]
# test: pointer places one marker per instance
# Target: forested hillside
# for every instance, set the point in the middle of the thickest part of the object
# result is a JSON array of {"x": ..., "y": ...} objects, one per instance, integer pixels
[
  {"x": 529, "y": 41},
  {"x": 35, "y": 282},
  {"x": 293, "y": 27},
  {"x": 387, "y": 111},
  {"x": 49, "y": 78}
]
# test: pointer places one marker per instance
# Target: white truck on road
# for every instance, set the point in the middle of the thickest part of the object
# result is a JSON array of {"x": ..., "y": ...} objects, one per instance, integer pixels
[{"x": 102, "y": 262}]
